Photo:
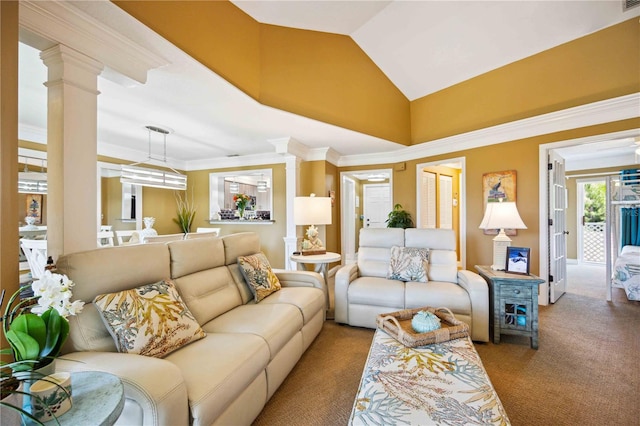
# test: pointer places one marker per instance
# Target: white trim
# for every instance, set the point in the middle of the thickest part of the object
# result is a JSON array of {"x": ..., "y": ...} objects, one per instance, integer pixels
[
  {"x": 63, "y": 23},
  {"x": 606, "y": 111}
]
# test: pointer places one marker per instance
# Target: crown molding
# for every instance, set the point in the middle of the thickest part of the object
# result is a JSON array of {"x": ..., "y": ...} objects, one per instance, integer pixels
[
  {"x": 54, "y": 22},
  {"x": 609, "y": 110}
]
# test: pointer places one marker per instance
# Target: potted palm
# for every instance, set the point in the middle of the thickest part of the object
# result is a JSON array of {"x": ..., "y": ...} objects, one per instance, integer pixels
[
  {"x": 36, "y": 327},
  {"x": 399, "y": 218}
]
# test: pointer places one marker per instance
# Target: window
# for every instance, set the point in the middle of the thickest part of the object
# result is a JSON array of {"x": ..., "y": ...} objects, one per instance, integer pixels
[{"x": 257, "y": 184}]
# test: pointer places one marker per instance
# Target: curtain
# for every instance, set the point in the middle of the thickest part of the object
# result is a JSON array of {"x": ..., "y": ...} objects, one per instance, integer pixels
[{"x": 630, "y": 226}]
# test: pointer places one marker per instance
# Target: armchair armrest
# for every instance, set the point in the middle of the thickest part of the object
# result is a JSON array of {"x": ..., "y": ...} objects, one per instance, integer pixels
[
  {"x": 478, "y": 291},
  {"x": 343, "y": 278},
  {"x": 155, "y": 392}
]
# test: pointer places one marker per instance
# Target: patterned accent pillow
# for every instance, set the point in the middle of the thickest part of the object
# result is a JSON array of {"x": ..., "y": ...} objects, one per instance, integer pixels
[
  {"x": 259, "y": 276},
  {"x": 408, "y": 264},
  {"x": 150, "y": 320}
]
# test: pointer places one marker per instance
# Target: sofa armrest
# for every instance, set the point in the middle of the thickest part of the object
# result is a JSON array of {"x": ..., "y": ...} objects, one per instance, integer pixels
[
  {"x": 478, "y": 291},
  {"x": 300, "y": 279},
  {"x": 155, "y": 392},
  {"x": 343, "y": 278}
]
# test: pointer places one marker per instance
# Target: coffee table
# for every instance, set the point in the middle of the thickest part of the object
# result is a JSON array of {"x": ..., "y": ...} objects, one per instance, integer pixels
[{"x": 443, "y": 383}]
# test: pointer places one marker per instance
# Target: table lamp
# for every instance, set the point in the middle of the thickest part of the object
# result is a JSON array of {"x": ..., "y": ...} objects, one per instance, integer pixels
[
  {"x": 501, "y": 215},
  {"x": 312, "y": 211}
]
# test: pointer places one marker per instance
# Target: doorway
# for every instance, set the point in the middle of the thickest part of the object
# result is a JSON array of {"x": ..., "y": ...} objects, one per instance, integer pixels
[
  {"x": 366, "y": 199},
  {"x": 591, "y": 199},
  {"x": 440, "y": 195}
]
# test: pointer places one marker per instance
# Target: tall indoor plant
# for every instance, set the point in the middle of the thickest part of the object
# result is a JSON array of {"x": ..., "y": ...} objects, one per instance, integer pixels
[{"x": 186, "y": 211}]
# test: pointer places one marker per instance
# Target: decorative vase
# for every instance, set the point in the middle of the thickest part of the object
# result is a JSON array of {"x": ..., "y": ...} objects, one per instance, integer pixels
[
  {"x": 51, "y": 396},
  {"x": 241, "y": 212},
  {"x": 28, "y": 378},
  {"x": 31, "y": 220},
  {"x": 148, "y": 230}
]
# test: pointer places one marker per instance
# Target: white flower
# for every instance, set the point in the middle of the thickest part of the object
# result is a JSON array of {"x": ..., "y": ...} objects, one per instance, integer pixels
[{"x": 54, "y": 291}]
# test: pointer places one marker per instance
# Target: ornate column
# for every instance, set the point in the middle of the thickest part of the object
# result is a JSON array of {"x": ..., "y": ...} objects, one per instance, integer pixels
[{"x": 71, "y": 150}]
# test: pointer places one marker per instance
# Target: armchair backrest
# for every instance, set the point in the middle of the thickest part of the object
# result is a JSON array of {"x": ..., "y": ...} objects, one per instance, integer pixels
[
  {"x": 374, "y": 252},
  {"x": 443, "y": 258}
]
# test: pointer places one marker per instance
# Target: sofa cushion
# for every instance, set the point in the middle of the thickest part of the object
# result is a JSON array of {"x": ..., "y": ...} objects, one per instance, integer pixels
[
  {"x": 275, "y": 323},
  {"x": 408, "y": 264},
  {"x": 437, "y": 294},
  {"x": 309, "y": 302},
  {"x": 377, "y": 291},
  {"x": 443, "y": 266},
  {"x": 259, "y": 276},
  {"x": 149, "y": 320},
  {"x": 375, "y": 250},
  {"x": 191, "y": 256},
  {"x": 217, "y": 369}
]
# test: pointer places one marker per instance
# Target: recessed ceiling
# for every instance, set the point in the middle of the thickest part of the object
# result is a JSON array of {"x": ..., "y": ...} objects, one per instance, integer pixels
[{"x": 422, "y": 46}]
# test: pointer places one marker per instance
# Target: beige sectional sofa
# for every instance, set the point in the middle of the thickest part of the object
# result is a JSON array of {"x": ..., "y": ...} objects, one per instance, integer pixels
[
  {"x": 224, "y": 378},
  {"x": 362, "y": 289}
]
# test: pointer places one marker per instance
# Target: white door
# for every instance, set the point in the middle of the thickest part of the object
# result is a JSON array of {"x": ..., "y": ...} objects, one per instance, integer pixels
[
  {"x": 557, "y": 228},
  {"x": 349, "y": 218},
  {"x": 445, "y": 202},
  {"x": 428, "y": 200},
  {"x": 377, "y": 204}
]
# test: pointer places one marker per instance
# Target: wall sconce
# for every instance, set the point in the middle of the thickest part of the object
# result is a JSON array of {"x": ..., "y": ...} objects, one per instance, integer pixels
[
  {"x": 501, "y": 215},
  {"x": 312, "y": 211},
  {"x": 157, "y": 178}
]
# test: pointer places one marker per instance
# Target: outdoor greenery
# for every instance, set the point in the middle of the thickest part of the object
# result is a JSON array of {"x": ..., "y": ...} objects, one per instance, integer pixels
[{"x": 594, "y": 203}]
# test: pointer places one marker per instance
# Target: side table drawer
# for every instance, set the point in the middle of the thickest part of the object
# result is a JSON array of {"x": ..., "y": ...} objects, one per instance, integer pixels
[{"x": 515, "y": 291}]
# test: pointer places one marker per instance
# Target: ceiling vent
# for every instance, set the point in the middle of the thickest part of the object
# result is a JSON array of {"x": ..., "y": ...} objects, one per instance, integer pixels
[{"x": 628, "y": 4}]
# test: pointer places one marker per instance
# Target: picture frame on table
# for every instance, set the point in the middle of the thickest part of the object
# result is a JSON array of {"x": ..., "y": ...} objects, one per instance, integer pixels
[{"x": 518, "y": 260}]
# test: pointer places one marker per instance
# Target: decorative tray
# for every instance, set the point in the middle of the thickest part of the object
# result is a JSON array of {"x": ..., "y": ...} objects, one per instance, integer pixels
[{"x": 398, "y": 325}]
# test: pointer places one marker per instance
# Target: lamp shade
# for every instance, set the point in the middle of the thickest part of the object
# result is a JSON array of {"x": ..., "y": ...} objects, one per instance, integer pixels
[
  {"x": 312, "y": 210},
  {"x": 502, "y": 215}
]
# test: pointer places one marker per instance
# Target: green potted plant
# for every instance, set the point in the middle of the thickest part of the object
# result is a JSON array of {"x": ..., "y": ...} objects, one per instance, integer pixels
[
  {"x": 186, "y": 212},
  {"x": 36, "y": 327},
  {"x": 399, "y": 218}
]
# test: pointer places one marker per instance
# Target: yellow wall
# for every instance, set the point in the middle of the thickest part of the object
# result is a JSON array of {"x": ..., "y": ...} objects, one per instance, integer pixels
[
  {"x": 603, "y": 65},
  {"x": 319, "y": 75}
]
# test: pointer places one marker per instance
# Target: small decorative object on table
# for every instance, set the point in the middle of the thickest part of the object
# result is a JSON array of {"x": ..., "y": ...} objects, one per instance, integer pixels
[
  {"x": 399, "y": 326},
  {"x": 148, "y": 230},
  {"x": 31, "y": 220},
  {"x": 51, "y": 396},
  {"x": 425, "y": 321}
]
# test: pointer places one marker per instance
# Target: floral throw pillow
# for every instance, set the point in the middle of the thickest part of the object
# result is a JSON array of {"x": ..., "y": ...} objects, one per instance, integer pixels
[
  {"x": 150, "y": 320},
  {"x": 259, "y": 276},
  {"x": 408, "y": 264}
]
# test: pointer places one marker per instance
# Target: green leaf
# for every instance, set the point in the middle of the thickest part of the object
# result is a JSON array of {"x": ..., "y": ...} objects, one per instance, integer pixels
[
  {"x": 24, "y": 346},
  {"x": 55, "y": 333},
  {"x": 33, "y": 325}
]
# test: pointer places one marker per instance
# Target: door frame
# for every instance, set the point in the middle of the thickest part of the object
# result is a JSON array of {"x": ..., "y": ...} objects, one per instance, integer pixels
[
  {"x": 543, "y": 205},
  {"x": 462, "y": 197}
]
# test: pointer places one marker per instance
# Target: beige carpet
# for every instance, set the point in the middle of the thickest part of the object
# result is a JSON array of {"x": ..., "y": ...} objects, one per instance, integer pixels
[{"x": 584, "y": 373}]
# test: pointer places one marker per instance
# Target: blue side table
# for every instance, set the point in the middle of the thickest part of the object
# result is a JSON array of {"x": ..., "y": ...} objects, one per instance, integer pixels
[{"x": 98, "y": 399}]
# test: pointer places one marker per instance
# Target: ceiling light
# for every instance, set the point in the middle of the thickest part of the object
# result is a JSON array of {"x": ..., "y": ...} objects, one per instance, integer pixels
[
  {"x": 234, "y": 187},
  {"x": 32, "y": 182},
  {"x": 376, "y": 178},
  {"x": 157, "y": 178},
  {"x": 262, "y": 184}
]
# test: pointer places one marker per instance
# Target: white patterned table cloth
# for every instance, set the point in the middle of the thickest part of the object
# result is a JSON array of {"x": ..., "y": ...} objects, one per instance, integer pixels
[{"x": 439, "y": 384}]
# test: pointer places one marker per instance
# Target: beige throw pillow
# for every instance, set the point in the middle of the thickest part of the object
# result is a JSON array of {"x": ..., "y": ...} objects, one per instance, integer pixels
[
  {"x": 408, "y": 264},
  {"x": 150, "y": 320},
  {"x": 259, "y": 276}
]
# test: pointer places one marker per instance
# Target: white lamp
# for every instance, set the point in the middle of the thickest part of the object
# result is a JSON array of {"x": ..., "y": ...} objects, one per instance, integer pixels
[
  {"x": 312, "y": 211},
  {"x": 501, "y": 215}
]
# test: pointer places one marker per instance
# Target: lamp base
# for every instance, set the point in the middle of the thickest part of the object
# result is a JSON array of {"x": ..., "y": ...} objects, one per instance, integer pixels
[{"x": 500, "y": 244}]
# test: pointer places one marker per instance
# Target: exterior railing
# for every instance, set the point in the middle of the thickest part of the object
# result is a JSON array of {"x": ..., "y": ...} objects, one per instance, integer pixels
[{"x": 593, "y": 242}]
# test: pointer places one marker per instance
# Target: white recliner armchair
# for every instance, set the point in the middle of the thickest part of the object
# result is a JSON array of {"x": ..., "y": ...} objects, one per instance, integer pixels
[{"x": 363, "y": 291}]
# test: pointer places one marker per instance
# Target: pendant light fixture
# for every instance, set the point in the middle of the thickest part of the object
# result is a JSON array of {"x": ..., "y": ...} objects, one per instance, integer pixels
[
  {"x": 32, "y": 182},
  {"x": 157, "y": 178},
  {"x": 262, "y": 184},
  {"x": 234, "y": 187}
]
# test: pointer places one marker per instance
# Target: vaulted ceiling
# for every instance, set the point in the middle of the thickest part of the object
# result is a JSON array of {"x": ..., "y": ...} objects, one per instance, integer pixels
[{"x": 421, "y": 46}]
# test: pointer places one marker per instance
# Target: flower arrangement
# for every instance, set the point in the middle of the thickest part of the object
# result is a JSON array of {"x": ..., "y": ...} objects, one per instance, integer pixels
[
  {"x": 36, "y": 337},
  {"x": 36, "y": 328},
  {"x": 241, "y": 200}
]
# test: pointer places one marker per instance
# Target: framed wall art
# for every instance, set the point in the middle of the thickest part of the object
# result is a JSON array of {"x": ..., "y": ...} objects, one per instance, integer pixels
[
  {"x": 518, "y": 260},
  {"x": 498, "y": 186},
  {"x": 34, "y": 207}
]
